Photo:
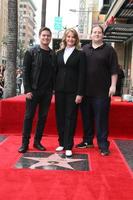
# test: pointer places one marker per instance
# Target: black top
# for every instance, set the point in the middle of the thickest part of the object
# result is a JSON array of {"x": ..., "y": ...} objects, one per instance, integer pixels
[
  {"x": 45, "y": 78},
  {"x": 70, "y": 76},
  {"x": 38, "y": 70},
  {"x": 101, "y": 65}
]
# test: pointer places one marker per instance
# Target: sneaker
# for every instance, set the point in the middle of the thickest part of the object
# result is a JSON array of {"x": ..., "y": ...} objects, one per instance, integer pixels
[
  {"x": 68, "y": 153},
  {"x": 84, "y": 145},
  {"x": 104, "y": 152},
  {"x": 60, "y": 148}
]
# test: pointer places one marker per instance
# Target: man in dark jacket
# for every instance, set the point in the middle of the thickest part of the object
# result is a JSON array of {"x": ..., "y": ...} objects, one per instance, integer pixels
[{"x": 38, "y": 86}]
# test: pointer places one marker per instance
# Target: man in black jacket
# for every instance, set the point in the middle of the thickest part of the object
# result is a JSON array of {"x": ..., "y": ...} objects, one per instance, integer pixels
[{"x": 38, "y": 86}]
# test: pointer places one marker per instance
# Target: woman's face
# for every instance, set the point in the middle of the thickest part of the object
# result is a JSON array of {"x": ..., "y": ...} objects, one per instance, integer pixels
[
  {"x": 70, "y": 39},
  {"x": 97, "y": 34}
]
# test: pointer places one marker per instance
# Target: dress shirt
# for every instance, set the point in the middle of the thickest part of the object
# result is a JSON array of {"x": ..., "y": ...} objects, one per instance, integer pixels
[{"x": 68, "y": 51}]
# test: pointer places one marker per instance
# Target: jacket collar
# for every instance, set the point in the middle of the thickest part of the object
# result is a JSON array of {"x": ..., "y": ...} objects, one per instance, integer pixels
[{"x": 38, "y": 48}]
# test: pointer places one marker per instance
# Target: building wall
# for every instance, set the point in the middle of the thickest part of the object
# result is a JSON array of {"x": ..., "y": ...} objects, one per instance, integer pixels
[
  {"x": 129, "y": 63},
  {"x": 125, "y": 59},
  {"x": 124, "y": 50},
  {"x": 26, "y": 25},
  {"x": 116, "y": 6},
  {"x": 88, "y": 15},
  {"x": 120, "y": 49},
  {"x": 82, "y": 18},
  {"x": 26, "y": 13}
]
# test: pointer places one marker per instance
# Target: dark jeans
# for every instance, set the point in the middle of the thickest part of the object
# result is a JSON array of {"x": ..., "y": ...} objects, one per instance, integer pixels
[
  {"x": 43, "y": 104},
  {"x": 66, "y": 118},
  {"x": 95, "y": 114}
]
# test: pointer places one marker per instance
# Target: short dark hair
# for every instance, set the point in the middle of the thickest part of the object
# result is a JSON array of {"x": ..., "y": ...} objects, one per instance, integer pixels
[
  {"x": 97, "y": 25},
  {"x": 44, "y": 29}
]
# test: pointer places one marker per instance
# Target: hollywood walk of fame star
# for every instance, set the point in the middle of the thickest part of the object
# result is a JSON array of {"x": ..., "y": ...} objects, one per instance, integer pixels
[{"x": 53, "y": 160}]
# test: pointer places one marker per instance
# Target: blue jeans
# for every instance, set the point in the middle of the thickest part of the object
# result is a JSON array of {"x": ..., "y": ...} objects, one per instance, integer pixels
[{"x": 95, "y": 115}]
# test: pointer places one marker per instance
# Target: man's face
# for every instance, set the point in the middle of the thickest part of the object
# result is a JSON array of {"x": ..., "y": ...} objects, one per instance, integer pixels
[
  {"x": 45, "y": 38},
  {"x": 97, "y": 34}
]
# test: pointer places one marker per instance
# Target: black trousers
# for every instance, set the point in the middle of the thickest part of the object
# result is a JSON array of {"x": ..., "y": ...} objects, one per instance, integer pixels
[
  {"x": 95, "y": 115},
  {"x": 43, "y": 104},
  {"x": 66, "y": 118}
]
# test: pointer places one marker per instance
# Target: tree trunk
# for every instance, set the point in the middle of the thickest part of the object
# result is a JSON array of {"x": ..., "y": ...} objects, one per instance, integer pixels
[{"x": 10, "y": 71}]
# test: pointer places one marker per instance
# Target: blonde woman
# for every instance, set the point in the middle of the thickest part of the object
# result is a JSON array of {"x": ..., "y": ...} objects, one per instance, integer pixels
[{"x": 69, "y": 88}]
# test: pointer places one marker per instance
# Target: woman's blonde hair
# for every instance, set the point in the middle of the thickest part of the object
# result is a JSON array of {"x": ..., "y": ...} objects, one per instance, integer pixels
[{"x": 63, "y": 43}]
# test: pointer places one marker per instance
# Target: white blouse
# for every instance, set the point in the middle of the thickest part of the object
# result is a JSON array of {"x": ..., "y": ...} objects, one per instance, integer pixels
[{"x": 68, "y": 51}]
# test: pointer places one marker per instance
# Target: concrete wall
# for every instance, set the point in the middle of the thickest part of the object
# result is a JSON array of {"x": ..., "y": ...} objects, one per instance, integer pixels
[{"x": 120, "y": 49}]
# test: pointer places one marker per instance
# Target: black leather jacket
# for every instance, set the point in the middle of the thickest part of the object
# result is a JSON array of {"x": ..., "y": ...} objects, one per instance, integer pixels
[{"x": 32, "y": 67}]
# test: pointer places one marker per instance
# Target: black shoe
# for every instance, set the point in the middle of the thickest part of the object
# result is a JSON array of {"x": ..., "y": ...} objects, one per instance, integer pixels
[
  {"x": 104, "y": 152},
  {"x": 23, "y": 149},
  {"x": 39, "y": 146},
  {"x": 83, "y": 145}
]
